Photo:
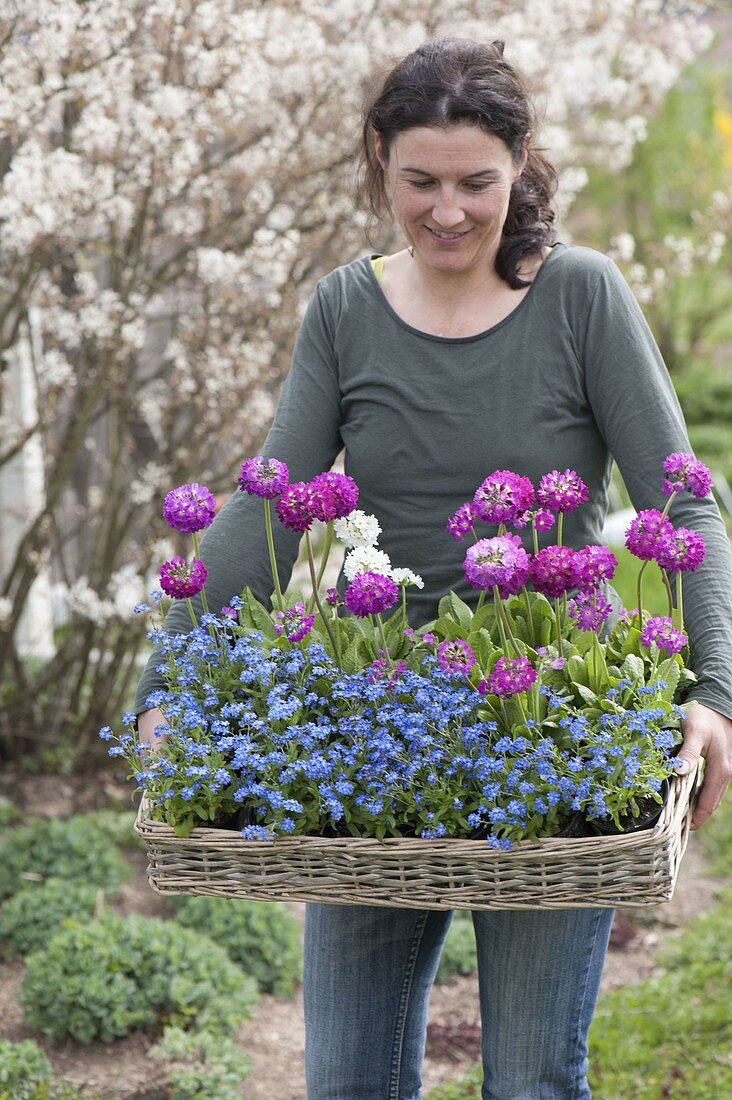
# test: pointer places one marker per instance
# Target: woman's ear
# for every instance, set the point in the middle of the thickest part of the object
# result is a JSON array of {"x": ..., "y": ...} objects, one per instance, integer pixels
[{"x": 524, "y": 154}]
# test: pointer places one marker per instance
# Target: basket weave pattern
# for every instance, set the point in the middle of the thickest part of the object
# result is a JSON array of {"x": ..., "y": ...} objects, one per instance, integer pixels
[{"x": 557, "y": 873}]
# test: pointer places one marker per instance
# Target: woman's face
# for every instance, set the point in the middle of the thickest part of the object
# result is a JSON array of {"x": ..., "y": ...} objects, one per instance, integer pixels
[{"x": 449, "y": 190}]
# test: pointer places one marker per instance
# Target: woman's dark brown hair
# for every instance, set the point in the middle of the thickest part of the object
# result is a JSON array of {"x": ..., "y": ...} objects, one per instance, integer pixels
[{"x": 447, "y": 82}]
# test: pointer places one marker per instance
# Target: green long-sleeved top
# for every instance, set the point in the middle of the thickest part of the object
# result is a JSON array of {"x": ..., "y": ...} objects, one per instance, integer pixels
[{"x": 571, "y": 378}]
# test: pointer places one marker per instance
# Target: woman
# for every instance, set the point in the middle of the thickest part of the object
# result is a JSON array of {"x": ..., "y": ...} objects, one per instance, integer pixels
[{"x": 483, "y": 344}]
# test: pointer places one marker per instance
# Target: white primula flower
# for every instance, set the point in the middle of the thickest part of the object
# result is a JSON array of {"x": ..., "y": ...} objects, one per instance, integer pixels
[
  {"x": 406, "y": 576},
  {"x": 358, "y": 529},
  {"x": 366, "y": 559}
]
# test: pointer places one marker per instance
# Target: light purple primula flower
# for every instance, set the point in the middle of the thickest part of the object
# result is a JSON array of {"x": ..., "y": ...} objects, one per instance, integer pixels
[
  {"x": 294, "y": 622},
  {"x": 562, "y": 492},
  {"x": 649, "y": 534},
  {"x": 189, "y": 508},
  {"x": 662, "y": 631},
  {"x": 263, "y": 477},
  {"x": 683, "y": 553},
  {"x": 502, "y": 497},
  {"x": 455, "y": 657},
  {"x": 589, "y": 610},
  {"x": 497, "y": 561},
  {"x": 461, "y": 522},
  {"x": 594, "y": 564},
  {"x": 685, "y": 473}
]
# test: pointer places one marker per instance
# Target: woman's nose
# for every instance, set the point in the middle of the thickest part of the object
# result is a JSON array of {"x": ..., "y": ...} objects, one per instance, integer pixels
[{"x": 447, "y": 212}]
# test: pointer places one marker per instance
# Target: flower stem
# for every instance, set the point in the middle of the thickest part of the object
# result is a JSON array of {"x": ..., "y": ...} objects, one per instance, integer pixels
[
  {"x": 503, "y": 623},
  {"x": 558, "y": 617},
  {"x": 196, "y": 551},
  {"x": 535, "y": 535},
  {"x": 679, "y": 601},
  {"x": 639, "y": 594},
  {"x": 669, "y": 594},
  {"x": 326, "y": 551},
  {"x": 311, "y": 565},
  {"x": 560, "y": 528},
  {"x": 382, "y": 635},
  {"x": 529, "y": 613},
  {"x": 272, "y": 558},
  {"x": 192, "y": 613}
]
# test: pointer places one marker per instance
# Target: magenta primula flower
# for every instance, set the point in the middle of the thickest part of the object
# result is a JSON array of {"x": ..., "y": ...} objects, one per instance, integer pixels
[
  {"x": 562, "y": 492},
  {"x": 553, "y": 570},
  {"x": 648, "y": 534},
  {"x": 683, "y": 553},
  {"x": 544, "y": 520},
  {"x": 189, "y": 508},
  {"x": 294, "y": 622},
  {"x": 455, "y": 657},
  {"x": 511, "y": 676},
  {"x": 182, "y": 580},
  {"x": 296, "y": 507},
  {"x": 502, "y": 497},
  {"x": 501, "y": 560},
  {"x": 662, "y": 631},
  {"x": 589, "y": 610},
  {"x": 263, "y": 477},
  {"x": 686, "y": 474},
  {"x": 370, "y": 593},
  {"x": 461, "y": 522},
  {"x": 334, "y": 495},
  {"x": 594, "y": 564}
]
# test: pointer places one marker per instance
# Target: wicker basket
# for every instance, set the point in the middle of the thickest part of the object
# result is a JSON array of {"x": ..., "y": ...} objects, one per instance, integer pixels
[{"x": 635, "y": 869}]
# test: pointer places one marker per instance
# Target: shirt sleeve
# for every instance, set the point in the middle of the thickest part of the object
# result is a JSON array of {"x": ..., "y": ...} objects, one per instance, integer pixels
[
  {"x": 305, "y": 434},
  {"x": 639, "y": 416}
]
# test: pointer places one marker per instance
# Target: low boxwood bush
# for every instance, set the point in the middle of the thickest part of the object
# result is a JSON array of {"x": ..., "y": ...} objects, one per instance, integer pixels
[
  {"x": 25, "y": 1074},
  {"x": 117, "y": 825},
  {"x": 72, "y": 849},
  {"x": 30, "y": 917},
  {"x": 9, "y": 814},
  {"x": 458, "y": 954},
  {"x": 262, "y": 937},
  {"x": 104, "y": 979},
  {"x": 201, "y": 1065}
]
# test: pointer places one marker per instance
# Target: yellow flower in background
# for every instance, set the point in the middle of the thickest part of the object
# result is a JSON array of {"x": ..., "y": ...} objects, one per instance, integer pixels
[{"x": 723, "y": 127}]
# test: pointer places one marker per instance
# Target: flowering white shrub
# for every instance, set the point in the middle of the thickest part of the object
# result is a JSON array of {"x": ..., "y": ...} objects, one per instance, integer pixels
[{"x": 173, "y": 180}]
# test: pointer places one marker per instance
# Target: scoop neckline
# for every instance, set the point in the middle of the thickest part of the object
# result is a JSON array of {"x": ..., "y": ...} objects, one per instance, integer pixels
[{"x": 556, "y": 248}]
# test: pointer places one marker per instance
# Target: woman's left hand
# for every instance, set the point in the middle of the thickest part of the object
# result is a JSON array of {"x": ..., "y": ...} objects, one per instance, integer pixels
[{"x": 707, "y": 734}]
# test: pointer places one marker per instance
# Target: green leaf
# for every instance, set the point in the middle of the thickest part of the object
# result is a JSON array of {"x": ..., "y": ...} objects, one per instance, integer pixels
[
  {"x": 577, "y": 670},
  {"x": 587, "y": 694},
  {"x": 256, "y": 616},
  {"x": 459, "y": 611},
  {"x": 448, "y": 628},
  {"x": 633, "y": 668}
]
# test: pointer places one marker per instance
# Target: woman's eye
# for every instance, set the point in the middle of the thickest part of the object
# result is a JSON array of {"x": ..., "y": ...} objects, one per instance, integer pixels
[{"x": 422, "y": 184}]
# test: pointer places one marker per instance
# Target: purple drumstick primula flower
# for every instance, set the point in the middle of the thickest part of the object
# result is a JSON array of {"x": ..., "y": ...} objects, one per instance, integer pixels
[
  {"x": 649, "y": 534},
  {"x": 497, "y": 561},
  {"x": 189, "y": 508},
  {"x": 683, "y": 553},
  {"x": 294, "y": 623},
  {"x": 544, "y": 520},
  {"x": 229, "y": 612},
  {"x": 562, "y": 492},
  {"x": 461, "y": 522},
  {"x": 263, "y": 477},
  {"x": 455, "y": 657},
  {"x": 334, "y": 496},
  {"x": 296, "y": 507},
  {"x": 686, "y": 474},
  {"x": 554, "y": 570},
  {"x": 589, "y": 610},
  {"x": 370, "y": 593},
  {"x": 511, "y": 676},
  {"x": 594, "y": 564},
  {"x": 180, "y": 579},
  {"x": 502, "y": 497},
  {"x": 663, "y": 633}
]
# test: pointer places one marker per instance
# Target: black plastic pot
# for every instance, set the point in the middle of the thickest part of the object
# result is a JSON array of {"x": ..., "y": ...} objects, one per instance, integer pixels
[{"x": 602, "y": 827}]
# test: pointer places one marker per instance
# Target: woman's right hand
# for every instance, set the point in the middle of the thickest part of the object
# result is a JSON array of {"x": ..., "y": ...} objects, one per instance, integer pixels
[{"x": 146, "y": 723}]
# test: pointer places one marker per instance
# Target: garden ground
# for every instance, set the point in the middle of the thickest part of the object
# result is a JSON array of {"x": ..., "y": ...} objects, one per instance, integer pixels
[{"x": 273, "y": 1038}]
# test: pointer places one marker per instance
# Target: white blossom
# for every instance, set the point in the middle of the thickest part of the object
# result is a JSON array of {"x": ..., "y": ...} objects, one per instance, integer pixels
[
  {"x": 366, "y": 559},
  {"x": 358, "y": 529},
  {"x": 407, "y": 577}
]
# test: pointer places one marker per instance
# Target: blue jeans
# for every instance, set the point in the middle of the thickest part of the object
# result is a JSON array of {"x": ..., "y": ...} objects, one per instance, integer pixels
[{"x": 368, "y": 973}]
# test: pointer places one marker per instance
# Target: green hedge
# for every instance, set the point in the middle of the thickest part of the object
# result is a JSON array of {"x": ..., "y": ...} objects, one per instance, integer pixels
[
  {"x": 72, "y": 849},
  {"x": 105, "y": 979},
  {"x": 262, "y": 937}
]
